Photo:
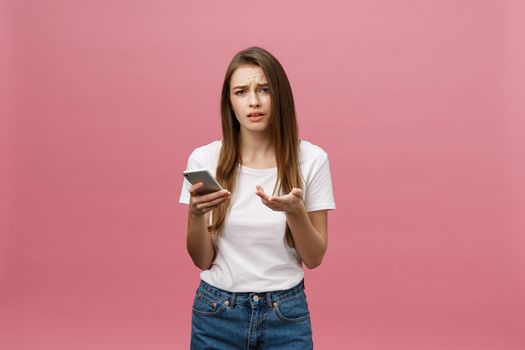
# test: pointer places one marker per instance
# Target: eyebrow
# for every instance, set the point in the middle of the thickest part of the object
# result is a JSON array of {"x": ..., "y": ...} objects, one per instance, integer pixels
[{"x": 245, "y": 86}]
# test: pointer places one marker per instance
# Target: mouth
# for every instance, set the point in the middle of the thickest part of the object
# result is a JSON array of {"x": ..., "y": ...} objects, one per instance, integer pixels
[{"x": 255, "y": 115}]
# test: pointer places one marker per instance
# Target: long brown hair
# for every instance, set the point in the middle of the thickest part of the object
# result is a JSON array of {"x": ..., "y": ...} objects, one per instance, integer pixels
[{"x": 283, "y": 126}]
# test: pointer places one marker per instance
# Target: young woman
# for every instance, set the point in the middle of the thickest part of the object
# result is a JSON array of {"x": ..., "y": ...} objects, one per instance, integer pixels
[{"x": 251, "y": 239}]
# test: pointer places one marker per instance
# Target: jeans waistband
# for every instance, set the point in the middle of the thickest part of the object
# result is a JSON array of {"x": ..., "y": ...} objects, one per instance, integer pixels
[{"x": 268, "y": 298}]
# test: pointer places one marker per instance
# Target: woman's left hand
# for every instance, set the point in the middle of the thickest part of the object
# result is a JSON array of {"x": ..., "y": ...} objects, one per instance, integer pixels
[{"x": 290, "y": 202}]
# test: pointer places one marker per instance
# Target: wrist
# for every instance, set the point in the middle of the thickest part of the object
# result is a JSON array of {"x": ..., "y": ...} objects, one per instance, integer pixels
[
  {"x": 296, "y": 208},
  {"x": 196, "y": 217}
]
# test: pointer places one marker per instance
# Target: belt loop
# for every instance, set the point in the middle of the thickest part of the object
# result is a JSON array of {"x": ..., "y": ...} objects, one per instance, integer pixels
[
  {"x": 234, "y": 296},
  {"x": 269, "y": 299}
]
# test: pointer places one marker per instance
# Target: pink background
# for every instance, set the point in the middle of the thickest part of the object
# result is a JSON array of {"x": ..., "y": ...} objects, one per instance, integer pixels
[{"x": 418, "y": 103}]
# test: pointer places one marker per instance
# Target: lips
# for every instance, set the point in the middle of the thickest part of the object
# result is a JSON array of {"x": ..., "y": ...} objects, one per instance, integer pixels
[{"x": 254, "y": 115}]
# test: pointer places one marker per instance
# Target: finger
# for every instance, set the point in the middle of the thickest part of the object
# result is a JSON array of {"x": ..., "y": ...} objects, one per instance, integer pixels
[
  {"x": 275, "y": 207},
  {"x": 264, "y": 200},
  {"x": 268, "y": 204},
  {"x": 211, "y": 196},
  {"x": 203, "y": 211},
  {"x": 280, "y": 200},
  {"x": 211, "y": 204},
  {"x": 263, "y": 196},
  {"x": 260, "y": 190},
  {"x": 271, "y": 204},
  {"x": 260, "y": 193},
  {"x": 195, "y": 187},
  {"x": 297, "y": 192}
]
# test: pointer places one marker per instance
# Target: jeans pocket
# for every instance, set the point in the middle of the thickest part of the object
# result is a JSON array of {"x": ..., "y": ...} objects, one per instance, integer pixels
[
  {"x": 207, "y": 305},
  {"x": 294, "y": 309}
]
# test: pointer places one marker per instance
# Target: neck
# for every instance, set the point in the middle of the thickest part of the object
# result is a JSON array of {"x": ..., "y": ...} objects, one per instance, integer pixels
[{"x": 256, "y": 145}]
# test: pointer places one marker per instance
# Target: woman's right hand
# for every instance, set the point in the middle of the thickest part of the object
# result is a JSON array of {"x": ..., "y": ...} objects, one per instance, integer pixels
[{"x": 201, "y": 204}]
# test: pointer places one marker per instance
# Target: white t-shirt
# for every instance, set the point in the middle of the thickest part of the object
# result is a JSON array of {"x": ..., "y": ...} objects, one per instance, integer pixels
[{"x": 252, "y": 254}]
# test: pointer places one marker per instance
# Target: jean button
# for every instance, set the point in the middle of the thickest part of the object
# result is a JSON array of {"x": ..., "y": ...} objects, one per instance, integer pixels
[{"x": 255, "y": 298}]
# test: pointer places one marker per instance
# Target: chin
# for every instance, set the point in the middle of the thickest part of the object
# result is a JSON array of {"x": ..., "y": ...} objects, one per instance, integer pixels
[{"x": 255, "y": 128}]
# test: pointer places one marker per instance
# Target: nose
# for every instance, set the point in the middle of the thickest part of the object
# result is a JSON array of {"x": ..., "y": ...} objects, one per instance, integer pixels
[{"x": 254, "y": 100}]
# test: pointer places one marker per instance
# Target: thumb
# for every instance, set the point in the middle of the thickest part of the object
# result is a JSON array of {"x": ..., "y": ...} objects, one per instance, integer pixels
[{"x": 297, "y": 192}]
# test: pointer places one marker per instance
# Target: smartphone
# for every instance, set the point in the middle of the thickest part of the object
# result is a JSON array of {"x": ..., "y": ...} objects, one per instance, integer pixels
[{"x": 204, "y": 176}]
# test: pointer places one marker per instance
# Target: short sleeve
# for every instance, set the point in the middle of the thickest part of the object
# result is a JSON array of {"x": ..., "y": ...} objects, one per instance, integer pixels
[
  {"x": 203, "y": 157},
  {"x": 318, "y": 189},
  {"x": 185, "y": 191}
]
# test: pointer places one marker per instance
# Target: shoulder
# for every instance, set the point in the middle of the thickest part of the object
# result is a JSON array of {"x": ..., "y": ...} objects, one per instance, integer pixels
[
  {"x": 311, "y": 153},
  {"x": 206, "y": 150},
  {"x": 206, "y": 153},
  {"x": 315, "y": 170}
]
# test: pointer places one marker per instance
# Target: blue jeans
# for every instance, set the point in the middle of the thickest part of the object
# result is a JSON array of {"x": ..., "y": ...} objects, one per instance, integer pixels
[{"x": 273, "y": 320}]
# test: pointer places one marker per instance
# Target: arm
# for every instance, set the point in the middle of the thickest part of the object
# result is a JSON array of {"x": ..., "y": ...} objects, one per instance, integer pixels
[
  {"x": 198, "y": 240},
  {"x": 309, "y": 230}
]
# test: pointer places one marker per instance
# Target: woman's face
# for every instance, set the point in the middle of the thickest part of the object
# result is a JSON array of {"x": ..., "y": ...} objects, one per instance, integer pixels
[{"x": 250, "y": 98}]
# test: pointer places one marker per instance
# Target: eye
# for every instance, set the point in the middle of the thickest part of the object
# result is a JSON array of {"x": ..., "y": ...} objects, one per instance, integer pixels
[
  {"x": 265, "y": 90},
  {"x": 239, "y": 92}
]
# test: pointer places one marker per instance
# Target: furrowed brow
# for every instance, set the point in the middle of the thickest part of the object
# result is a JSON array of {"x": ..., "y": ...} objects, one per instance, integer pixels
[{"x": 245, "y": 86}]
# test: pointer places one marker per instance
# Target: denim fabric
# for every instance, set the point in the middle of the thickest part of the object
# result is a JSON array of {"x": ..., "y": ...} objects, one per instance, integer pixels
[{"x": 273, "y": 320}]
